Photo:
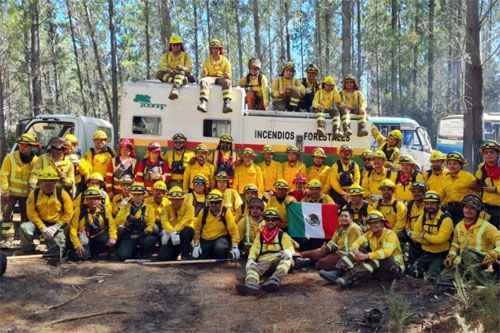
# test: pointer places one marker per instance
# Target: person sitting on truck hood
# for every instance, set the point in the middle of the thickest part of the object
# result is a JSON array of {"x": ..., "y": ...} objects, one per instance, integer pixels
[
  {"x": 175, "y": 66},
  {"x": 312, "y": 86},
  {"x": 353, "y": 101},
  {"x": 152, "y": 167},
  {"x": 286, "y": 90},
  {"x": 255, "y": 85},
  {"x": 292, "y": 166},
  {"x": 178, "y": 159},
  {"x": 119, "y": 166},
  {"x": 224, "y": 158},
  {"x": 82, "y": 167},
  {"x": 199, "y": 166},
  {"x": 61, "y": 163},
  {"x": 216, "y": 70},
  {"x": 100, "y": 155},
  {"x": 319, "y": 170},
  {"x": 390, "y": 145},
  {"x": 248, "y": 172}
]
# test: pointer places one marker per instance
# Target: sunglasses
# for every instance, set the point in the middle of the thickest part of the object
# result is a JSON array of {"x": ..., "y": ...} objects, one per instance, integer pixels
[
  {"x": 178, "y": 142},
  {"x": 176, "y": 195},
  {"x": 199, "y": 184}
]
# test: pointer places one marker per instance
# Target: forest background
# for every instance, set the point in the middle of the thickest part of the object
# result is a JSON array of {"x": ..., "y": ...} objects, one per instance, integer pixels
[{"x": 413, "y": 58}]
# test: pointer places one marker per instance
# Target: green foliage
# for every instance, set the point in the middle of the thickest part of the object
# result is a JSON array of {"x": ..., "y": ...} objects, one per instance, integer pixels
[{"x": 399, "y": 308}]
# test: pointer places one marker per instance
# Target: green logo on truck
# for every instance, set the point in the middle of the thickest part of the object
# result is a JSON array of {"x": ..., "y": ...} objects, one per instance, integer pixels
[{"x": 145, "y": 102}]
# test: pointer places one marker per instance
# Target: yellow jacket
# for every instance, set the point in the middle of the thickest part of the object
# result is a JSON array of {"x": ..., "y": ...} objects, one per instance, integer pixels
[
  {"x": 289, "y": 172},
  {"x": 283, "y": 83},
  {"x": 119, "y": 200},
  {"x": 244, "y": 175},
  {"x": 248, "y": 229},
  {"x": 344, "y": 237},
  {"x": 215, "y": 228},
  {"x": 403, "y": 192},
  {"x": 82, "y": 171},
  {"x": 353, "y": 100},
  {"x": 15, "y": 174},
  {"x": 253, "y": 85},
  {"x": 77, "y": 224},
  {"x": 65, "y": 166},
  {"x": 207, "y": 169},
  {"x": 200, "y": 201},
  {"x": 48, "y": 209},
  {"x": 172, "y": 154},
  {"x": 371, "y": 184},
  {"x": 231, "y": 200},
  {"x": 176, "y": 221},
  {"x": 325, "y": 198},
  {"x": 335, "y": 176},
  {"x": 394, "y": 212},
  {"x": 270, "y": 174},
  {"x": 392, "y": 153},
  {"x": 77, "y": 202},
  {"x": 169, "y": 62},
  {"x": 434, "y": 182},
  {"x": 413, "y": 212},
  {"x": 326, "y": 99},
  {"x": 281, "y": 207},
  {"x": 456, "y": 188},
  {"x": 489, "y": 198},
  {"x": 436, "y": 237},
  {"x": 482, "y": 237},
  {"x": 99, "y": 162},
  {"x": 158, "y": 208},
  {"x": 381, "y": 248},
  {"x": 269, "y": 252},
  {"x": 217, "y": 68},
  {"x": 149, "y": 216},
  {"x": 322, "y": 174}
]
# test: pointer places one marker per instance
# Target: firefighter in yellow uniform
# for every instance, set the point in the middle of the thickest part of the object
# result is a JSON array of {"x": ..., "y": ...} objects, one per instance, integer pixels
[
  {"x": 14, "y": 175},
  {"x": 250, "y": 224},
  {"x": 475, "y": 242},
  {"x": 393, "y": 209},
  {"x": 293, "y": 166},
  {"x": 287, "y": 90},
  {"x": 175, "y": 66},
  {"x": 367, "y": 158},
  {"x": 49, "y": 209},
  {"x": 414, "y": 209},
  {"x": 92, "y": 229},
  {"x": 121, "y": 199},
  {"x": 95, "y": 180},
  {"x": 99, "y": 155},
  {"x": 271, "y": 253},
  {"x": 271, "y": 169},
  {"x": 199, "y": 166},
  {"x": 216, "y": 70},
  {"x": 434, "y": 177},
  {"x": 249, "y": 192},
  {"x": 353, "y": 101},
  {"x": 158, "y": 201},
  {"x": 197, "y": 198},
  {"x": 488, "y": 177},
  {"x": 248, "y": 172},
  {"x": 371, "y": 183},
  {"x": 312, "y": 85},
  {"x": 327, "y": 100},
  {"x": 314, "y": 193},
  {"x": 344, "y": 173},
  {"x": 390, "y": 145},
  {"x": 256, "y": 86},
  {"x": 319, "y": 170},
  {"x": 81, "y": 166},
  {"x": 357, "y": 206},
  {"x": 281, "y": 200},
  {"x": 232, "y": 199},
  {"x": 405, "y": 177},
  {"x": 178, "y": 159}
]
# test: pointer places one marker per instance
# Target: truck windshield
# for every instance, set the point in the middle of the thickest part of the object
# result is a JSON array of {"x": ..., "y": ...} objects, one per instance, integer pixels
[{"x": 44, "y": 130}]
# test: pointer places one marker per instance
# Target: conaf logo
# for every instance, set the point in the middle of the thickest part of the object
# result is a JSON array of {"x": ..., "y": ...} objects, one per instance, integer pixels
[
  {"x": 313, "y": 220},
  {"x": 145, "y": 102}
]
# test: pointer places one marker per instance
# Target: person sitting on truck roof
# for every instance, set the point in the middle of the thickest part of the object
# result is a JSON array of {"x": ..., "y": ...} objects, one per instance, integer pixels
[
  {"x": 200, "y": 165},
  {"x": 390, "y": 145},
  {"x": 300, "y": 191},
  {"x": 216, "y": 70},
  {"x": 353, "y": 101},
  {"x": 82, "y": 166},
  {"x": 121, "y": 199},
  {"x": 271, "y": 170},
  {"x": 255, "y": 85},
  {"x": 434, "y": 177},
  {"x": 319, "y": 170},
  {"x": 326, "y": 100},
  {"x": 158, "y": 200},
  {"x": 405, "y": 177},
  {"x": 312, "y": 85},
  {"x": 198, "y": 197},
  {"x": 178, "y": 159},
  {"x": 292, "y": 166},
  {"x": 152, "y": 167},
  {"x": 99, "y": 155},
  {"x": 248, "y": 172},
  {"x": 122, "y": 164},
  {"x": 286, "y": 90},
  {"x": 232, "y": 199},
  {"x": 175, "y": 66},
  {"x": 56, "y": 159},
  {"x": 371, "y": 183},
  {"x": 344, "y": 173}
]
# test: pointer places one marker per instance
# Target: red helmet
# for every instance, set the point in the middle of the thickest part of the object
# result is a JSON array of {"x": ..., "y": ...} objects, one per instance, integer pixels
[
  {"x": 299, "y": 179},
  {"x": 128, "y": 143}
]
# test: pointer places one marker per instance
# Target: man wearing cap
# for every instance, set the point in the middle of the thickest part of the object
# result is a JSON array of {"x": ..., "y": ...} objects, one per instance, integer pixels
[
  {"x": 81, "y": 165},
  {"x": 287, "y": 90},
  {"x": 456, "y": 185},
  {"x": 405, "y": 177},
  {"x": 300, "y": 191},
  {"x": 251, "y": 223},
  {"x": 271, "y": 254},
  {"x": 256, "y": 86},
  {"x": 199, "y": 166},
  {"x": 224, "y": 158},
  {"x": 250, "y": 191},
  {"x": 434, "y": 177},
  {"x": 357, "y": 206},
  {"x": 178, "y": 159},
  {"x": 248, "y": 172},
  {"x": 390, "y": 145},
  {"x": 137, "y": 220},
  {"x": 319, "y": 170},
  {"x": 56, "y": 159},
  {"x": 176, "y": 221},
  {"x": 152, "y": 167},
  {"x": 371, "y": 183},
  {"x": 311, "y": 85},
  {"x": 375, "y": 253},
  {"x": 353, "y": 101},
  {"x": 293, "y": 166},
  {"x": 198, "y": 197},
  {"x": 281, "y": 200},
  {"x": 414, "y": 209},
  {"x": 488, "y": 177},
  {"x": 271, "y": 169},
  {"x": 327, "y": 100},
  {"x": 215, "y": 232},
  {"x": 49, "y": 210},
  {"x": 216, "y": 70},
  {"x": 175, "y": 66},
  {"x": 344, "y": 173},
  {"x": 158, "y": 201},
  {"x": 125, "y": 196},
  {"x": 393, "y": 209},
  {"x": 99, "y": 155},
  {"x": 314, "y": 193},
  {"x": 92, "y": 229},
  {"x": 432, "y": 230},
  {"x": 122, "y": 164},
  {"x": 475, "y": 242},
  {"x": 232, "y": 199},
  {"x": 367, "y": 158},
  {"x": 14, "y": 176}
]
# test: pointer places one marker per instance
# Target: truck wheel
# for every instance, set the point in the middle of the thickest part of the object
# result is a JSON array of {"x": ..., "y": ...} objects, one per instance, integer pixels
[{"x": 3, "y": 263}]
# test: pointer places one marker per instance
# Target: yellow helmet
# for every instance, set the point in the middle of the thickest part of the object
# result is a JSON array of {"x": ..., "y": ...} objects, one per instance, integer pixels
[
  {"x": 250, "y": 188},
  {"x": 222, "y": 175},
  {"x": 126, "y": 179},
  {"x": 437, "y": 156},
  {"x": 387, "y": 183},
  {"x": 345, "y": 147},
  {"x": 248, "y": 151},
  {"x": 201, "y": 147},
  {"x": 456, "y": 156},
  {"x": 28, "y": 139},
  {"x": 292, "y": 149},
  {"x": 329, "y": 80},
  {"x": 289, "y": 65},
  {"x": 318, "y": 152},
  {"x": 418, "y": 185},
  {"x": 314, "y": 183},
  {"x": 267, "y": 149},
  {"x": 272, "y": 212},
  {"x": 356, "y": 189},
  {"x": 432, "y": 196},
  {"x": 160, "y": 185},
  {"x": 380, "y": 154},
  {"x": 175, "y": 40},
  {"x": 374, "y": 216},
  {"x": 397, "y": 134},
  {"x": 281, "y": 183},
  {"x": 176, "y": 192},
  {"x": 226, "y": 138},
  {"x": 406, "y": 159},
  {"x": 198, "y": 178},
  {"x": 95, "y": 176},
  {"x": 312, "y": 68},
  {"x": 214, "y": 196},
  {"x": 367, "y": 153},
  {"x": 93, "y": 192},
  {"x": 71, "y": 138},
  {"x": 489, "y": 144},
  {"x": 100, "y": 135},
  {"x": 137, "y": 188},
  {"x": 216, "y": 43},
  {"x": 49, "y": 173}
]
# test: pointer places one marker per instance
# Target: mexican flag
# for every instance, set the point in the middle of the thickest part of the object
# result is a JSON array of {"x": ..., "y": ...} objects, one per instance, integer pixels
[{"x": 312, "y": 220}]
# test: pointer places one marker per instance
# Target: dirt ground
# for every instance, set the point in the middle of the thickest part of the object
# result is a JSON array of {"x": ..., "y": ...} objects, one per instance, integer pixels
[{"x": 198, "y": 298}]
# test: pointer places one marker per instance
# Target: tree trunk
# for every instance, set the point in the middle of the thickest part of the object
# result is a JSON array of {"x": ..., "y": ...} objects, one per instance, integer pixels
[
  {"x": 287, "y": 32},
  {"x": 430, "y": 68},
  {"x": 377, "y": 64},
  {"x": 165, "y": 28},
  {"x": 147, "y": 39},
  {"x": 328, "y": 33},
  {"x": 346, "y": 37},
  {"x": 317, "y": 35},
  {"x": 54, "y": 45},
  {"x": 208, "y": 21},
  {"x": 458, "y": 82},
  {"x": 359, "y": 70},
  {"x": 256, "y": 26},
  {"x": 394, "y": 58},
  {"x": 473, "y": 92},
  {"x": 236, "y": 4},
  {"x": 414, "y": 67},
  {"x": 196, "y": 46},
  {"x": 114, "y": 68},
  {"x": 3, "y": 148},
  {"x": 35, "y": 57}
]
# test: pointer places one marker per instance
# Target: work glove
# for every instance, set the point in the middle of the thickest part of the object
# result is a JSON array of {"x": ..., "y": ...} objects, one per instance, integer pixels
[
  {"x": 176, "y": 238},
  {"x": 287, "y": 254},
  {"x": 51, "y": 231},
  {"x": 448, "y": 262},
  {"x": 250, "y": 262},
  {"x": 409, "y": 233},
  {"x": 84, "y": 240},
  {"x": 164, "y": 237},
  {"x": 156, "y": 229},
  {"x": 121, "y": 227},
  {"x": 196, "y": 251},
  {"x": 235, "y": 252}
]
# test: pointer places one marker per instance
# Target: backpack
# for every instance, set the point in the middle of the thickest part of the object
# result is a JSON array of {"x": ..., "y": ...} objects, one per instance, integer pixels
[
  {"x": 394, "y": 205},
  {"x": 345, "y": 177},
  {"x": 280, "y": 238},
  {"x": 363, "y": 211},
  {"x": 439, "y": 222},
  {"x": 58, "y": 195},
  {"x": 92, "y": 152},
  {"x": 145, "y": 172},
  {"x": 137, "y": 225},
  {"x": 93, "y": 229}
]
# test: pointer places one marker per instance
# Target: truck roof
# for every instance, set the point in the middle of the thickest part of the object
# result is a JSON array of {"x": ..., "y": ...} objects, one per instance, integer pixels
[{"x": 85, "y": 119}]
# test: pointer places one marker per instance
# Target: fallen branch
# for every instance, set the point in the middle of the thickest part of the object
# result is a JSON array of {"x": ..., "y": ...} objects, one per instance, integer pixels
[
  {"x": 187, "y": 262},
  {"x": 27, "y": 257},
  {"x": 66, "y": 302},
  {"x": 87, "y": 316}
]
